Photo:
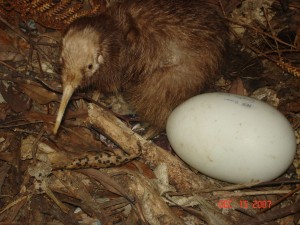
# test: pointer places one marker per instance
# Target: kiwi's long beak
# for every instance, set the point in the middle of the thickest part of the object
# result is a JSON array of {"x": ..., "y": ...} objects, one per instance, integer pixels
[{"x": 67, "y": 93}]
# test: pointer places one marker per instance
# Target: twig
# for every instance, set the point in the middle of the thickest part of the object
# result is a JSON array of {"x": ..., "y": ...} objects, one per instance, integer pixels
[
  {"x": 20, "y": 124},
  {"x": 230, "y": 188},
  {"x": 8, "y": 66},
  {"x": 272, "y": 215},
  {"x": 25, "y": 37},
  {"x": 35, "y": 143},
  {"x": 222, "y": 8},
  {"x": 282, "y": 198},
  {"x": 250, "y": 193},
  {"x": 19, "y": 34},
  {"x": 272, "y": 31},
  {"x": 261, "y": 32},
  {"x": 51, "y": 195}
]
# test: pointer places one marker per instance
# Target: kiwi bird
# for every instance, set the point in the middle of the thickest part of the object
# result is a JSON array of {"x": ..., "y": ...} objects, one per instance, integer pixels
[{"x": 157, "y": 53}]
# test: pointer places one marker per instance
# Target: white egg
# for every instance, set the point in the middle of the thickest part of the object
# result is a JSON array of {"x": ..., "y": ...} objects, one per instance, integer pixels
[{"x": 232, "y": 138}]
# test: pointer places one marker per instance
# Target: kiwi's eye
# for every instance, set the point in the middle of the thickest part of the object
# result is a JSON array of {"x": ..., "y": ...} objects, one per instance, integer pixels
[{"x": 90, "y": 66}]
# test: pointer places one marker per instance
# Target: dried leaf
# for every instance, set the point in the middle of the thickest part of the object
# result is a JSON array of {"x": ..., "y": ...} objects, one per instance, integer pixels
[
  {"x": 79, "y": 139},
  {"x": 34, "y": 116},
  {"x": 3, "y": 173},
  {"x": 293, "y": 106},
  {"x": 295, "y": 71},
  {"x": 50, "y": 13},
  {"x": 16, "y": 100},
  {"x": 297, "y": 38},
  {"x": 11, "y": 46},
  {"x": 5, "y": 140},
  {"x": 267, "y": 95},
  {"x": 4, "y": 110},
  {"x": 37, "y": 93},
  {"x": 237, "y": 87},
  {"x": 6, "y": 42}
]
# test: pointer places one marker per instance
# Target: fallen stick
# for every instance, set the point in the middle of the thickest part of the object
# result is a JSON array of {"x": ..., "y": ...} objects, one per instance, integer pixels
[{"x": 132, "y": 143}]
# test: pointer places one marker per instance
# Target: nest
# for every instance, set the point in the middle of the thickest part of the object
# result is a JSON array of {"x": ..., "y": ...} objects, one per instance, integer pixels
[{"x": 97, "y": 169}]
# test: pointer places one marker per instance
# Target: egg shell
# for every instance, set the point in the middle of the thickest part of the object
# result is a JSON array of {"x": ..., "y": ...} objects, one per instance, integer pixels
[{"x": 232, "y": 138}]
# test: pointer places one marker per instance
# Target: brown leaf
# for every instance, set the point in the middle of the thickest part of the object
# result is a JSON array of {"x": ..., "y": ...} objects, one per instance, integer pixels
[
  {"x": 6, "y": 42},
  {"x": 141, "y": 167},
  {"x": 79, "y": 139},
  {"x": 3, "y": 173},
  {"x": 6, "y": 139},
  {"x": 37, "y": 93},
  {"x": 10, "y": 46},
  {"x": 4, "y": 110},
  {"x": 297, "y": 38},
  {"x": 293, "y": 106},
  {"x": 35, "y": 116},
  {"x": 16, "y": 100},
  {"x": 237, "y": 87}
]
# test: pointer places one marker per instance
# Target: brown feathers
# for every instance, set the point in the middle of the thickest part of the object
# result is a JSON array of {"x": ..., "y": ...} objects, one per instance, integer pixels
[{"x": 157, "y": 52}]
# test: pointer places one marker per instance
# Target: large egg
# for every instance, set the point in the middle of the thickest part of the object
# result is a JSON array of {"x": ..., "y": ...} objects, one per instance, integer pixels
[{"x": 232, "y": 138}]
